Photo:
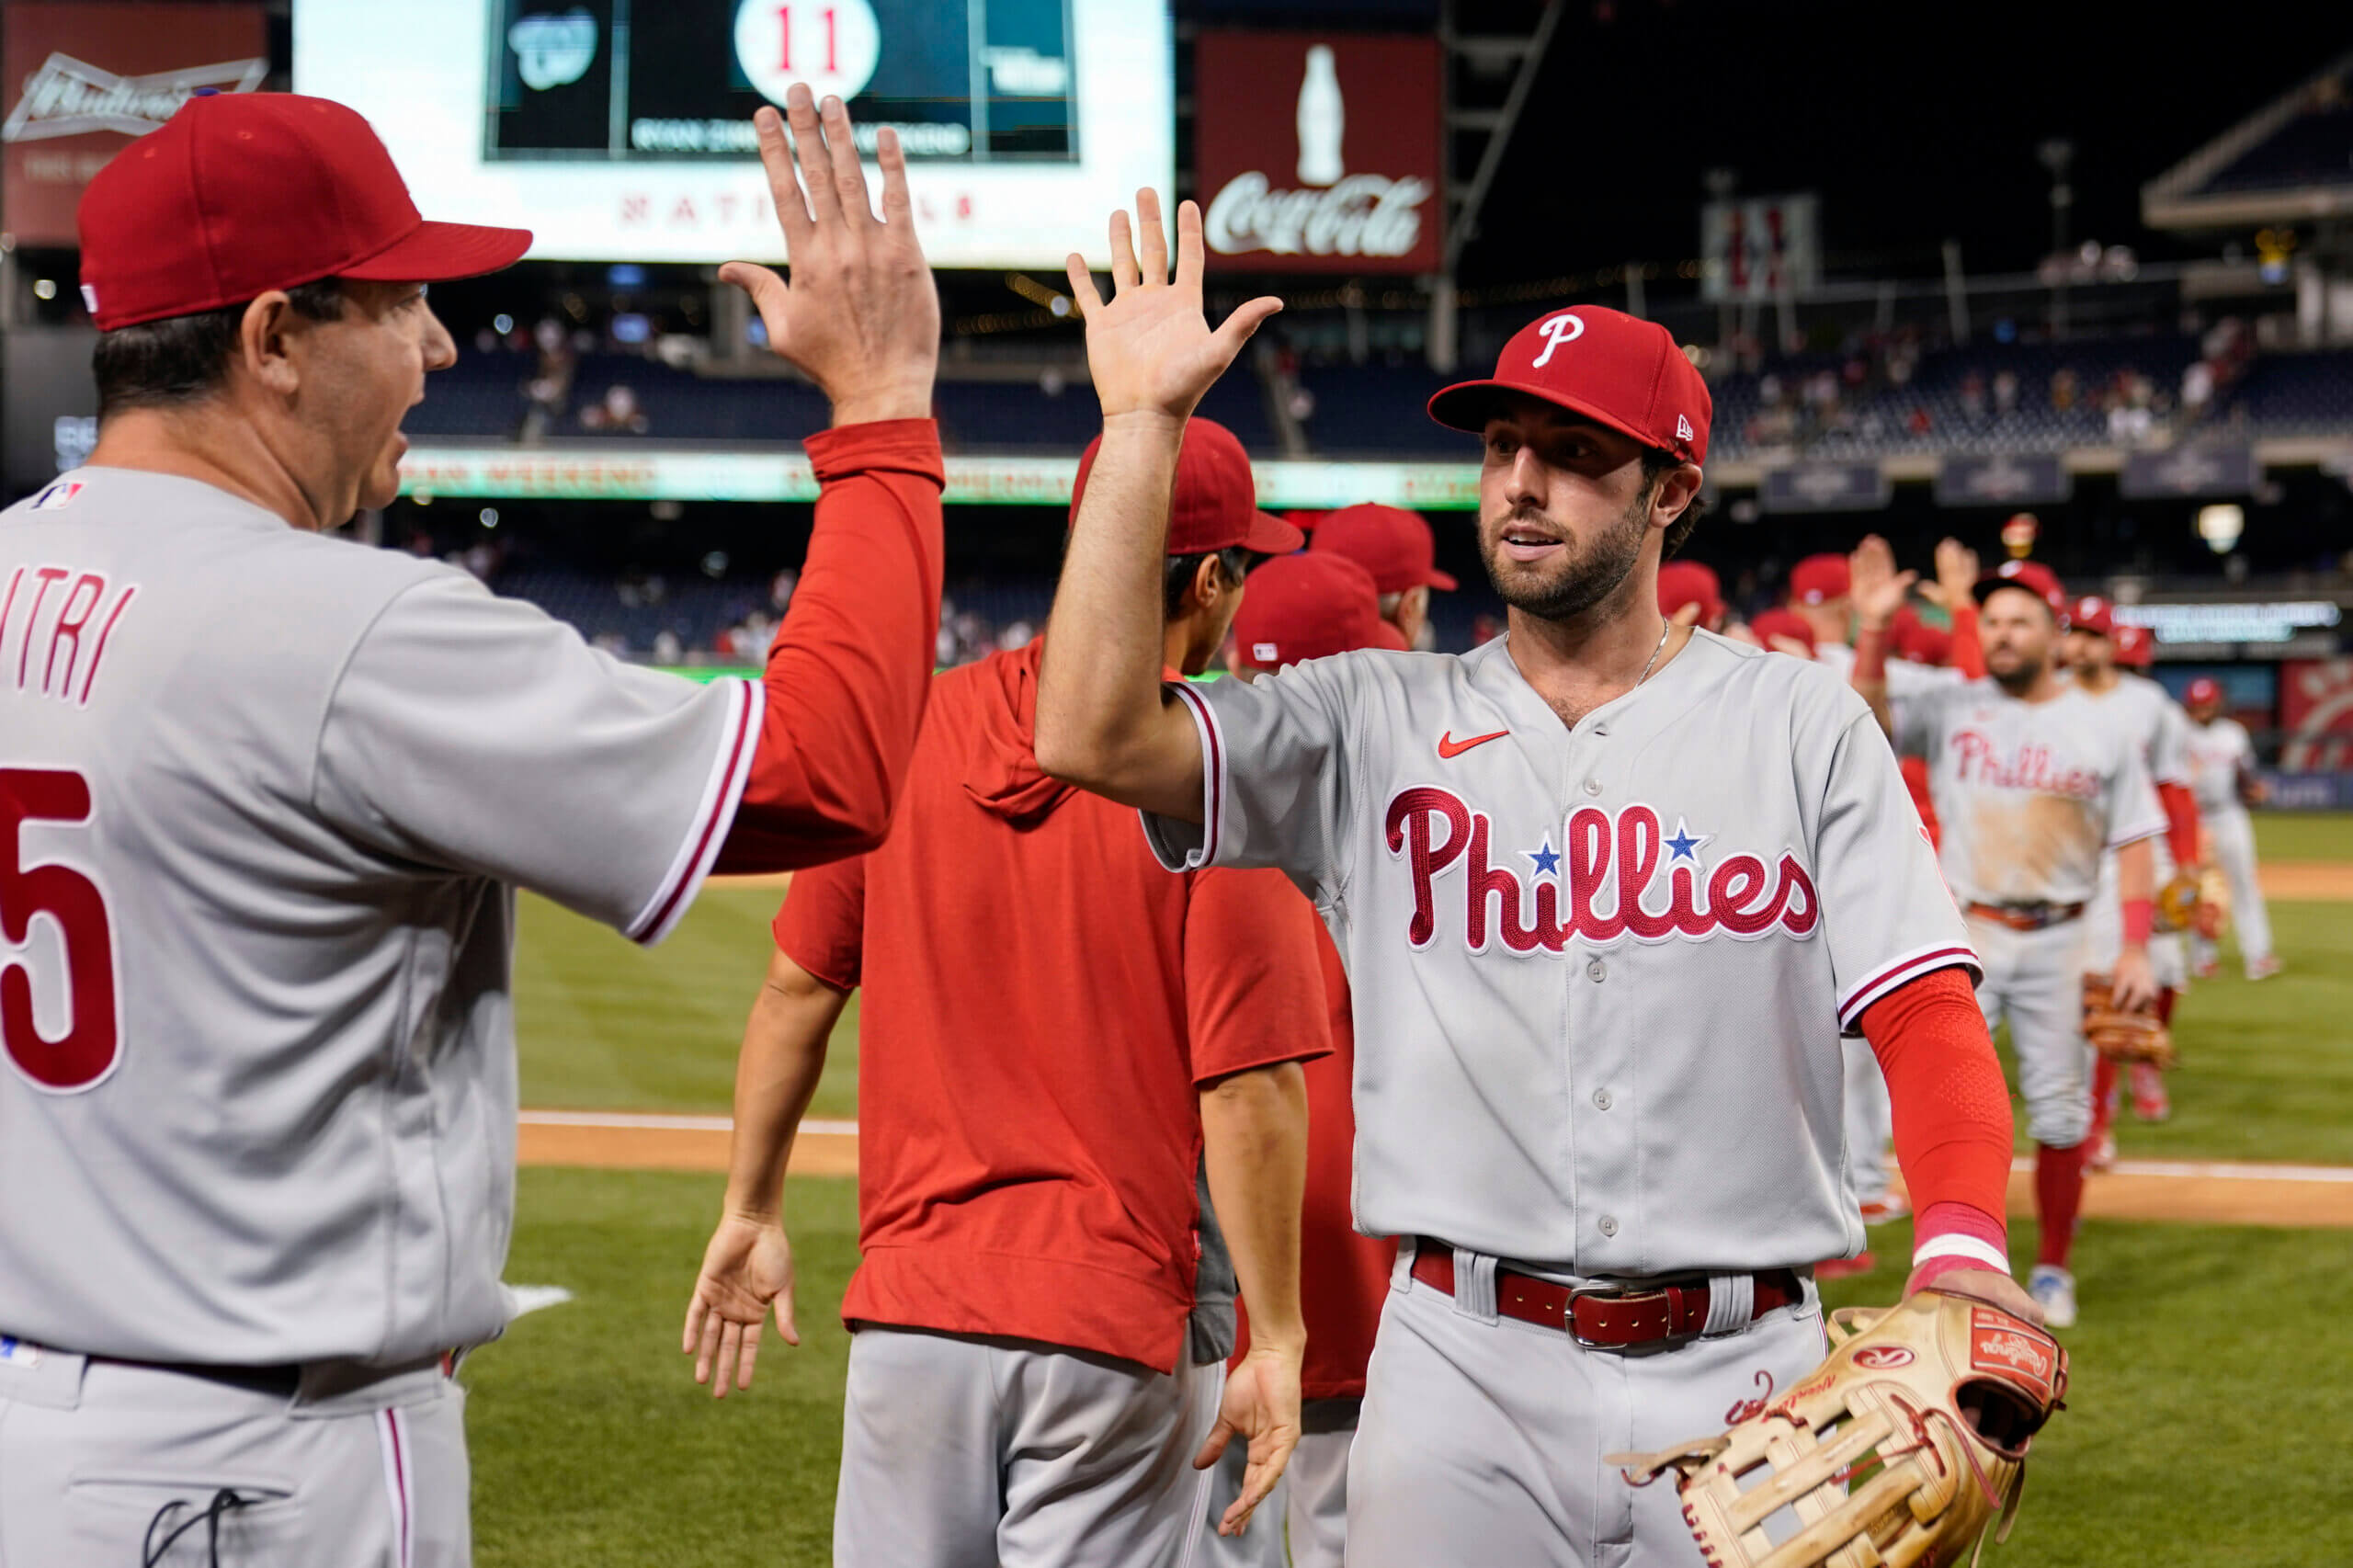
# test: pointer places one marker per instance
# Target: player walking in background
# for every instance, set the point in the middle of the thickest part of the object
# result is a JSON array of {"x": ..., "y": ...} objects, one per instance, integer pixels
[
  {"x": 2222, "y": 776},
  {"x": 1313, "y": 606},
  {"x": 1395, "y": 546},
  {"x": 271, "y": 794},
  {"x": 1689, "y": 594},
  {"x": 1065, "y": 1059},
  {"x": 2034, "y": 788},
  {"x": 2153, "y": 723},
  {"x": 1819, "y": 595},
  {"x": 1607, "y": 1135}
]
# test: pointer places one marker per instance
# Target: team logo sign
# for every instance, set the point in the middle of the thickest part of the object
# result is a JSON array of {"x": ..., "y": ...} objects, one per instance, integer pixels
[
  {"x": 554, "y": 50},
  {"x": 1618, "y": 875}
]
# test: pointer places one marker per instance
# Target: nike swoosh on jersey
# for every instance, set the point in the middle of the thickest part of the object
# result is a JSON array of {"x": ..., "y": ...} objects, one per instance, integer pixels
[{"x": 1448, "y": 748}]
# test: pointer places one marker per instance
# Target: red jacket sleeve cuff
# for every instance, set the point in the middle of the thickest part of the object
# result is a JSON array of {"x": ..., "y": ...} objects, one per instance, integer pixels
[{"x": 908, "y": 446}]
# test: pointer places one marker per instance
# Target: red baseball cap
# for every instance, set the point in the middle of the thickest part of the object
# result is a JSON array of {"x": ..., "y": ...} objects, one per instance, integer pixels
[
  {"x": 1684, "y": 583},
  {"x": 1788, "y": 623},
  {"x": 2136, "y": 646},
  {"x": 2034, "y": 577},
  {"x": 1216, "y": 503},
  {"x": 1818, "y": 579},
  {"x": 1307, "y": 607},
  {"x": 2203, "y": 690},
  {"x": 1912, "y": 639},
  {"x": 2091, "y": 614},
  {"x": 1392, "y": 543},
  {"x": 240, "y": 193},
  {"x": 1617, "y": 370}
]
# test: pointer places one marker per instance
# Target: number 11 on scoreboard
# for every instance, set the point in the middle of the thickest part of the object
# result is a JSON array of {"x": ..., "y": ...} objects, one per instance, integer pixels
[{"x": 831, "y": 46}]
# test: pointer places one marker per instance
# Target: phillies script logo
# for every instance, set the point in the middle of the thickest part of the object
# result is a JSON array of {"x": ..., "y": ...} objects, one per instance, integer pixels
[
  {"x": 1599, "y": 889},
  {"x": 2031, "y": 767}
]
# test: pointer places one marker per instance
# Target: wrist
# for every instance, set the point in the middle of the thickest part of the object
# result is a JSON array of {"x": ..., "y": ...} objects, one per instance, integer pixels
[
  {"x": 872, "y": 405},
  {"x": 2139, "y": 920},
  {"x": 1287, "y": 1342},
  {"x": 1145, "y": 424},
  {"x": 735, "y": 1212}
]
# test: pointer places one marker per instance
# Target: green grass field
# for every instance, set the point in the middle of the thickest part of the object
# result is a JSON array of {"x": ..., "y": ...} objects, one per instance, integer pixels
[{"x": 2208, "y": 1425}]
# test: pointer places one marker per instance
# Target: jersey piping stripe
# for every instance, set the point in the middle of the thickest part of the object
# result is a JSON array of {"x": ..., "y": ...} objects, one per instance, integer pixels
[
  {"x": 1911, "y": 966},
  {"x": 391, "y": 1443},
  {"x": 1212, "y": 778},
  {"x": 715, "y": 814},
  {"x": 2137, "y": 832}
]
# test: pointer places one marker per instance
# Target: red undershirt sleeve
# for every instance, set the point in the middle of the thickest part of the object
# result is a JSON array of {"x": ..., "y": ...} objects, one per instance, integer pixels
[
  {"x": 2181, "y": 822},
  {"x": 1968, "y": 654},
  {"x": 1953, "y": 1129},
  {"x": 846, "y": 682}
]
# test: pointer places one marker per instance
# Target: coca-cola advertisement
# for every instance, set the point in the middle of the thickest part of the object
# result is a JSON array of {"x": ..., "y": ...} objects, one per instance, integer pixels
[
  {"x": 82, "y": 80},
  {"x": 1319, "y": 152}
]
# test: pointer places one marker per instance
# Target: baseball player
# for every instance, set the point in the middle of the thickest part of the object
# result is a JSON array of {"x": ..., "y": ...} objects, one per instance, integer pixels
[
  {"x": 2222, "y": 776},
  {"x": 1065, "y": 1058},
  {"x": 2154, "y": 722},
  {"x": 1395, "y": 546},
  {"x": 1313, "y": 606},
  {"x": 265, "y": 797},
  {"x": 1820, "y": 595},
  {"x": 2034, "y": 788},
  {"x": 1602, "y": 885},
  {"x": 1691, "y": 594}
]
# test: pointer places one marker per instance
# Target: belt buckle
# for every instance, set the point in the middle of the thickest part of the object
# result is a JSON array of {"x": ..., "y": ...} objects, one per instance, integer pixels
[{"x": 1569, "y": 1314}]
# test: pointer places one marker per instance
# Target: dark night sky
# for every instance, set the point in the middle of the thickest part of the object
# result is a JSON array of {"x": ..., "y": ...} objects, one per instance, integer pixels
[{"x": 1916, "y": 123}]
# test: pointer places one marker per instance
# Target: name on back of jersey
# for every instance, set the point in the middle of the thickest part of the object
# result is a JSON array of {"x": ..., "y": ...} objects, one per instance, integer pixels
[
  {"x": 54, "y": 623},
  {"x": 1616, "y": 875}
]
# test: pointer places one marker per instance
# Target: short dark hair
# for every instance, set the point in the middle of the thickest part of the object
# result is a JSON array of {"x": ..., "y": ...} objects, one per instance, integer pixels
[
  {"x": 182, "y": 359},
  {"x": 1233, "y": 560},
  {"x": 1657, "y": 463}
]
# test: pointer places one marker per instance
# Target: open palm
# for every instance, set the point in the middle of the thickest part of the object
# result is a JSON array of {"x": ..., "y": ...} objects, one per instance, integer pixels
[
  {"x": 746, "y": 1270},
  {"x": 1150, "y": 349}
]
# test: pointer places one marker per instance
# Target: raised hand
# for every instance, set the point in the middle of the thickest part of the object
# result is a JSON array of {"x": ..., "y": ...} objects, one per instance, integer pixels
[
  {"x": 861, "y": 315},
  {"x": 1151, "y": 349},
  {"x": 746, "y": 1270},
  {"x": 1875, "y": 584},
  {"x": 1956, "y": 575}
]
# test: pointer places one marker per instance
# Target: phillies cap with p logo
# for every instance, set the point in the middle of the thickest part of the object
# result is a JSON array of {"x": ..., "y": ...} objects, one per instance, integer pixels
[
  {"x": 241, "y": 193},
  {"x": 1613, "y": 368}
]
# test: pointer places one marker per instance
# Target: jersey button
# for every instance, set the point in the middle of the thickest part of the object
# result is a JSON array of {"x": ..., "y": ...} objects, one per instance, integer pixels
[
  {"x": 1595, "y": 971},
  {"x": 1601, "y": 1098},
  {"x": 1592, "y": 785},
  {"x": 1608, "y": 1224}
]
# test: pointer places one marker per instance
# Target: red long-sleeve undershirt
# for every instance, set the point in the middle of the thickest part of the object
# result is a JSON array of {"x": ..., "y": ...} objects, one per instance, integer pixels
[
  {"x": 847, "y": 679},
  {"x": 2181, "y": 822},
  {"x": 1953, "y": 1129},
  {"x": 1968, "y": 654}
]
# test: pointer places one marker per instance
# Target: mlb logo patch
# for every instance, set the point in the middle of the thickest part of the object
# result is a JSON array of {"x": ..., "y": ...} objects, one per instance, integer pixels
[
  {"x": 1263, "y": 652},
  {"x": 58, "y": 495}
]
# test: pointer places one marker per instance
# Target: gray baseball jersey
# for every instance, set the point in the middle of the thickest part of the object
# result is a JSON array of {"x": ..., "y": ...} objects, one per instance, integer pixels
[
  {"x": 1594, "y": 968},
  {"x": 2149, "y": 717},
  {"x": 2218, "y": 753},
  {"x": 2028, "y": 795},
  {"x": 263, "y": 799}
]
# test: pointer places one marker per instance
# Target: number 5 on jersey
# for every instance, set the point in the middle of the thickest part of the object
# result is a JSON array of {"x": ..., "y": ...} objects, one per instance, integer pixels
[{"x": 85, "y": 1052}]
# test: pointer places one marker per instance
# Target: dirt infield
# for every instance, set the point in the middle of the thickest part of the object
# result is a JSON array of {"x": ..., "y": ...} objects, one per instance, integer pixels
[
  {"x": 2137, "y": 1189},
  {"x": 2319, "y": 882}
]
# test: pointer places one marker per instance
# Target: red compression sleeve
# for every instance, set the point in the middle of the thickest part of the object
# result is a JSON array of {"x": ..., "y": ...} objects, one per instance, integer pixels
[
  {"x": 847, "y": 679},
  {"x": 1968, "y": 654},
  {"x": 1870, "y": 656},
  {"x": 2181, "y": 822},
  {"x": 1952, "y": 1116}
]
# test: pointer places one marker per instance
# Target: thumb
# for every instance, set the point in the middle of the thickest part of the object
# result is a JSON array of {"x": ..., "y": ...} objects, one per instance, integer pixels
[
  {"x": 768, "y": 292},
  {"x": 785, "y": 1328},
  {"x": 1245, "y": 321},
  {"x": 1220, "y": 1435}
]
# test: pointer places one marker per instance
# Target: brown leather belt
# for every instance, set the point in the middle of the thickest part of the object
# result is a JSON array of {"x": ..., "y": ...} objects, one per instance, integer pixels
[
  {"x": 1603, "y": 1319},
  {"x": 2024, "y": 916}
]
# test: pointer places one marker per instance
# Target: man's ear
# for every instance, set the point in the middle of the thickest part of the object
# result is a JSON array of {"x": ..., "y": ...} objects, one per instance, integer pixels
[
  {"x": 1209, "y": 582},
  {"x": 1676, "y": 492},
  {"x": 263, "y": 349}
]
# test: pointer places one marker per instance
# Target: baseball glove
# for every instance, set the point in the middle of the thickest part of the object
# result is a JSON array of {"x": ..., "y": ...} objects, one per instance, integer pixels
[
  {"x": 2177, "y": 902},
  {"x": 2213, "y": 905},
  {"x": 1897, "y": 1452},
  {"x": 2138, "y": 1035}
]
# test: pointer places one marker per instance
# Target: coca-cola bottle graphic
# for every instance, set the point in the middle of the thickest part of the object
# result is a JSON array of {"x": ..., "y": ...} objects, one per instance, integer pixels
[{"x": 1322, "y": 119}]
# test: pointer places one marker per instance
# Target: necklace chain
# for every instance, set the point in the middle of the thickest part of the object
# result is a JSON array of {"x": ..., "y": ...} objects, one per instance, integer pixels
[{"x": 1665, "y": 628}]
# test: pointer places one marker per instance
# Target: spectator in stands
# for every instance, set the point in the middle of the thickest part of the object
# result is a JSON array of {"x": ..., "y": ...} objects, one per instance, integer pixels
[
  {"x": 615, "y": 413},
  {"x": 780, "y": 588},
  {"x": 1972, "y": 395},
  {"x": 2065, "y": 389},
  {"x": 1397, "y": 548},
  {"x": 2005, "y": 392}
]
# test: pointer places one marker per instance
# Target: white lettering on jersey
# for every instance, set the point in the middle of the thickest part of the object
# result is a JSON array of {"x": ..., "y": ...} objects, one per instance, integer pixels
[
  {"x": 48, "y": 658},
  {"x": 1609, "y": 866},
  {"x": 1566, "y": 327}
]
